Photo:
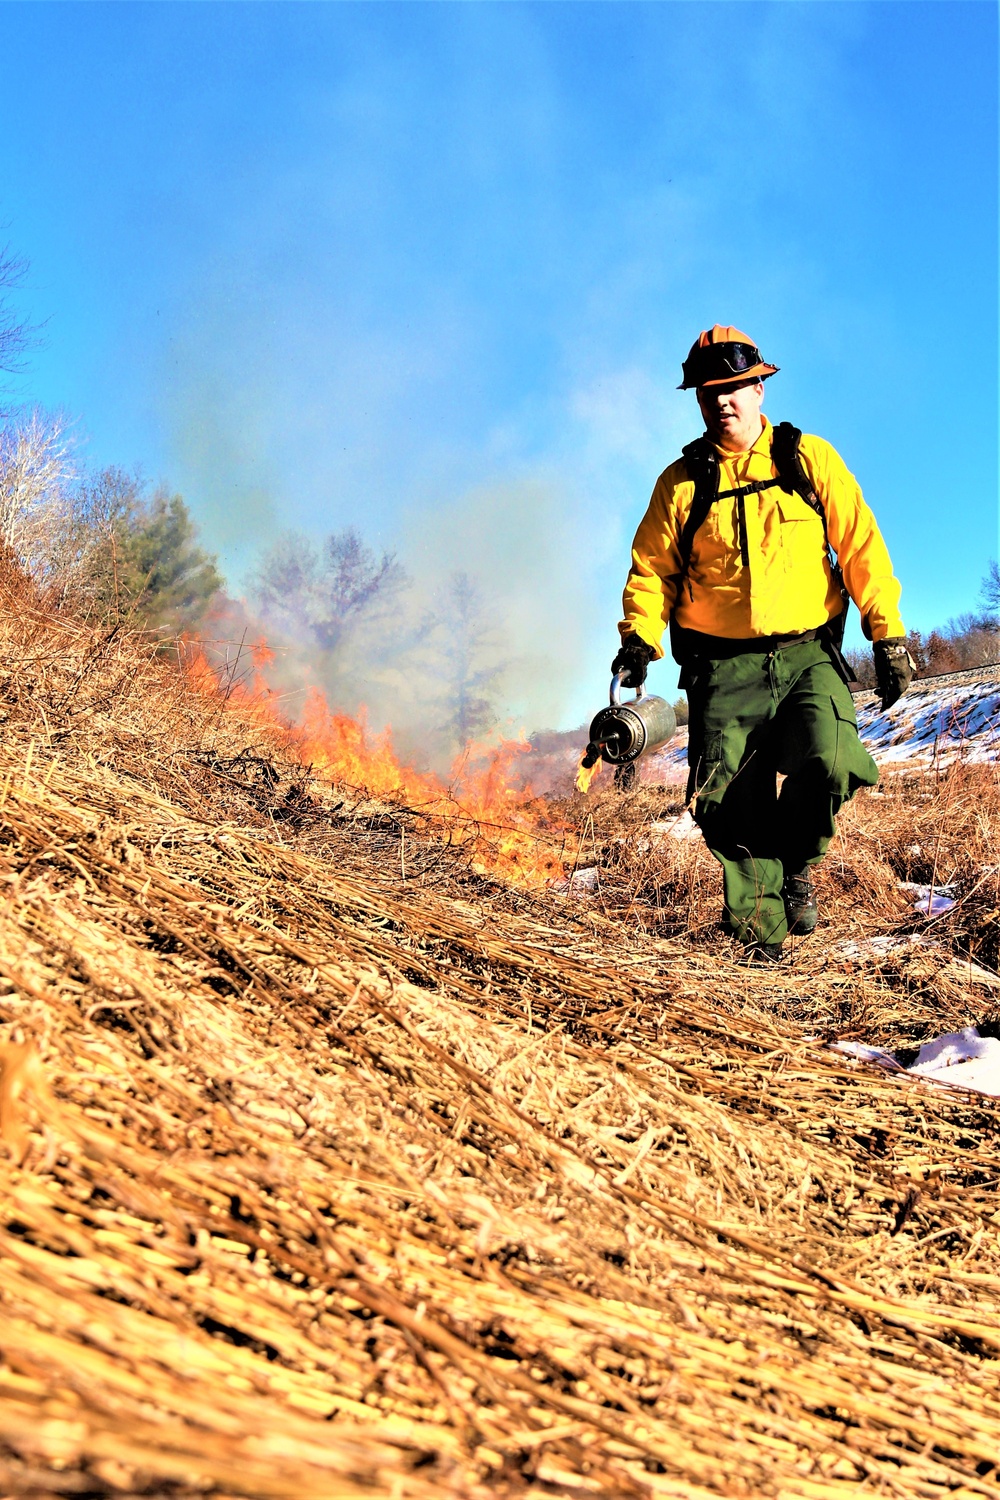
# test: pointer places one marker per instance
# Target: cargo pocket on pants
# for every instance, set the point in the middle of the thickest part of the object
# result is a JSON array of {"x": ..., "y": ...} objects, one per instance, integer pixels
[
  {"x": 706, "y": 773},
  {"x": 852, "y": 765}
]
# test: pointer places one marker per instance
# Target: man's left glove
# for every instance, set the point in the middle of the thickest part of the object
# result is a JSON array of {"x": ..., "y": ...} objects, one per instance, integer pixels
[
  {"x": 632, "y": 660},
  {"x": 894, "y": 669}
]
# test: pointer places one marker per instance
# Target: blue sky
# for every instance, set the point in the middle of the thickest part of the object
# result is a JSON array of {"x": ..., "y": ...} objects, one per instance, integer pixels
[{"x": 431, "y": 269}]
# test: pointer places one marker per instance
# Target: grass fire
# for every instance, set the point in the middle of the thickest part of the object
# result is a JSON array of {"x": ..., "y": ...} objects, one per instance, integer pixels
[
  {"x": 351, "y": 1151},
  {"x": 499, "y": 744}
]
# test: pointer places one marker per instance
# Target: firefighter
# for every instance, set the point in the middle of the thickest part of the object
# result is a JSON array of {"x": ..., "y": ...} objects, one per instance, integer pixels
[{"x": 735, "y": 555}]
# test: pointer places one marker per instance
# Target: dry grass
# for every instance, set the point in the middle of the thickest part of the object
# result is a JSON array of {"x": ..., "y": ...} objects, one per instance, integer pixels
[
  {"x": 936, "y": 828},
  {"x": 324, "y": 1181}
]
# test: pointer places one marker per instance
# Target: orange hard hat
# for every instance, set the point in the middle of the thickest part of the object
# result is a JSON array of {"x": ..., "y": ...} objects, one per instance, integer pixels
[{"x": 721, "y": 355}]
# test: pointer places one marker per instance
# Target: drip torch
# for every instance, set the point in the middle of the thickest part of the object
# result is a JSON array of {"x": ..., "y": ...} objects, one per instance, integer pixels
[{"x": 622, "y": 732}]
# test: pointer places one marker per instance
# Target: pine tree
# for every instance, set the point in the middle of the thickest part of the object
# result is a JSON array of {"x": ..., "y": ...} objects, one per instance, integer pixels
[{"x": 137, "y": 556}]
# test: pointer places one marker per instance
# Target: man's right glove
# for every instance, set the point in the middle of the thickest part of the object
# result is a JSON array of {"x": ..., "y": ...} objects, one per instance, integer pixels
[
  {"x": 632, "y": 660},
  {"x": 894, "y": 669}
]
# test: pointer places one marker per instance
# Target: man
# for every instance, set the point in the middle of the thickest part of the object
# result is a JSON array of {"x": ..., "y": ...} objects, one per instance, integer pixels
[{"x": 734, "y": 554}]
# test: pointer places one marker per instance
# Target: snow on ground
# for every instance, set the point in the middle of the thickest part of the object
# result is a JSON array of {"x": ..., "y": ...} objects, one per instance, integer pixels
[
  {"x": 579, "y": 882},
  {"x": 940, "y": 718},
  {"x": 968, "y": 1059},
  {"x": 929, "y": 901}
]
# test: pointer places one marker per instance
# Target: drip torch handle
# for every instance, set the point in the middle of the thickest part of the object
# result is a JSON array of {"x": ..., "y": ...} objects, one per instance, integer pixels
[{"x": 616, "y": 691}]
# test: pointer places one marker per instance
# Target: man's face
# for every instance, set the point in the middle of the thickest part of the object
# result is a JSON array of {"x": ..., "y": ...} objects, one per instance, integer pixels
[{"x": 732, "y": 413}]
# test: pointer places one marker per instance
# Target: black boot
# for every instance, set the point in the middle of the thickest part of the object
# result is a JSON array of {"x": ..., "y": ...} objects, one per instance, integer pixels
[
  {"x": 761, "y": 955},
  {"x": 799, "y": 896}
]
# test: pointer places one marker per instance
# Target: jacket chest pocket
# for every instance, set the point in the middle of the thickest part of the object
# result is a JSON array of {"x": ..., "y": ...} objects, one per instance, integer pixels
[{"x": 797, "y": 531}]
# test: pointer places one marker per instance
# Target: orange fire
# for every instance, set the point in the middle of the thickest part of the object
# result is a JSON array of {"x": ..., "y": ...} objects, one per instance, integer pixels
[
  {"x": 585, "y": 774},
  {"x": 508, "y": 832}
]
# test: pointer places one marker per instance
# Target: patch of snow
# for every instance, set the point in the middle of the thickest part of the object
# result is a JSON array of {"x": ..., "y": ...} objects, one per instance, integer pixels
[
  {"x": 959, "y": 1059},
  {"x": 930, "y": 901},
  {"x": 932, "y": 722},
  {"x": 963, "y": 1058},
  {"x": 869, "y": 1054},
  {"x": 892, "y": 943},
  {"x": 963, "y": 969},
  {"x": 682, "y": 827},
  {"x": 935, "y": 722},
  {"x": 581, "y": 882},
  {"x": 669, "y": 765}
]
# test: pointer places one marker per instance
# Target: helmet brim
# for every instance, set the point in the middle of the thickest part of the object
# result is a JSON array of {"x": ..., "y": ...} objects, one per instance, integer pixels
[{"x": 756, "y": 372}]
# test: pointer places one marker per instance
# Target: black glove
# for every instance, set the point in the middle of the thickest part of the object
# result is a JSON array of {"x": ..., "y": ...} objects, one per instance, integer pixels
[
  {"x": 894, "y": 669},
  {"x": 632, "y": 661}
]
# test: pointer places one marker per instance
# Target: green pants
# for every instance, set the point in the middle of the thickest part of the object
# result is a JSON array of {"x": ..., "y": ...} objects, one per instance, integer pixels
[{"x": 753, "y": 716}]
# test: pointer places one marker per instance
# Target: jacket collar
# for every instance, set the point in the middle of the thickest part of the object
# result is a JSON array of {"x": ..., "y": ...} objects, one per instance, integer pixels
[{"x": 762, "y": 445}]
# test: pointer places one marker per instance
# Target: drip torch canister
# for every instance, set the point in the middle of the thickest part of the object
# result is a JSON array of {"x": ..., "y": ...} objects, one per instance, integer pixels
[{"x": 622, "y": 732}]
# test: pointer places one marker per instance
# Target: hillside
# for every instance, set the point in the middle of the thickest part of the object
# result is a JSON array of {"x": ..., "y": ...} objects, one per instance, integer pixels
[
  {"x": 337, "y": 1166},
  {"x": 952, "y": 716},
  {"x": 956, "y": 714}
]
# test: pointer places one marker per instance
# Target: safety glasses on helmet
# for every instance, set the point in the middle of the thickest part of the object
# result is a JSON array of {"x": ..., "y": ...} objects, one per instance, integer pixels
[{"x": 732, "y": 357}]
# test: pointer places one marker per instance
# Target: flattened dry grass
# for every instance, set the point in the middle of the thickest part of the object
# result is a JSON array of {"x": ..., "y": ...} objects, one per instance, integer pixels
[
  {"x": 938, "y": 828},
  {"x": 334, "y": 1169}
]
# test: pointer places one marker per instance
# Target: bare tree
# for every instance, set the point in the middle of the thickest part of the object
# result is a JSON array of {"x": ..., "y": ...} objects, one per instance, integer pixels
[
  {"x": 16, "y": 336},
  {"x": 323, "y": 593},
  {"x": 37, "y": 472},
  {"x": 861, "y": 664},
  {"x": 285, "y": 582},
  {"x": 353, "y": 582},
  {"x": 98, "y": 542},
  {"x": 989, "y": 591},
  {"x": 968, "y": 640}
]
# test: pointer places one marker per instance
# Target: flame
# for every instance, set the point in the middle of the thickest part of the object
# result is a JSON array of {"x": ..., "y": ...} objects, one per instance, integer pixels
[
  {"x": 507, "y": 831},
  {"x": 261, "y": 654},
  {"x": 585, "y": 775}
]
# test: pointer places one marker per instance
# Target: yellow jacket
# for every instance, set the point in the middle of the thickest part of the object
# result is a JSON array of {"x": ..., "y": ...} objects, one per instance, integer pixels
[{"x": 788, "y": 585}]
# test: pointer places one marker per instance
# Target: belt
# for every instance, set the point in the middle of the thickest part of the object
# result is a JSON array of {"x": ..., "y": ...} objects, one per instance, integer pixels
[{"x": 698, "y": 644}]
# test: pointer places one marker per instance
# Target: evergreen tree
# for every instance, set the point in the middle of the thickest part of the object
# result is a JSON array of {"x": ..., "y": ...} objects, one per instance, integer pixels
[
  {"x": 138, "y": 556},
  {"x": 166, "y": 577}
]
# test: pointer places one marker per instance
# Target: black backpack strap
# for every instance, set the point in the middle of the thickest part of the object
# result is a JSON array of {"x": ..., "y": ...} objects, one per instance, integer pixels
[
  {"x": 791, "y": 474},
  {"x": 702, "y": 464},
  {"x": 794, "y": 480}
]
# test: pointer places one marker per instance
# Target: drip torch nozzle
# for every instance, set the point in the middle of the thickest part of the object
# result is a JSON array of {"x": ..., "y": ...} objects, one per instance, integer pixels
[{"x": 591, "y": 756}]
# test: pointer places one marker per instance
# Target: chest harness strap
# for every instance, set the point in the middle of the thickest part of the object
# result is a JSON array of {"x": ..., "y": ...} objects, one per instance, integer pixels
[{"x": 701, "y": 460}]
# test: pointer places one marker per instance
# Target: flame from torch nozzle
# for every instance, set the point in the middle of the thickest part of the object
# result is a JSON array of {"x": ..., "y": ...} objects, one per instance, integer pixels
[{"x": 590, "y": 765}]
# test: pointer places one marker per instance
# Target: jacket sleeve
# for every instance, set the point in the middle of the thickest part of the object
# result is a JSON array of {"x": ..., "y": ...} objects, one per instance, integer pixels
[
  {"x": 856, "y": 539},
  {"x": 651, "y": 587}
]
